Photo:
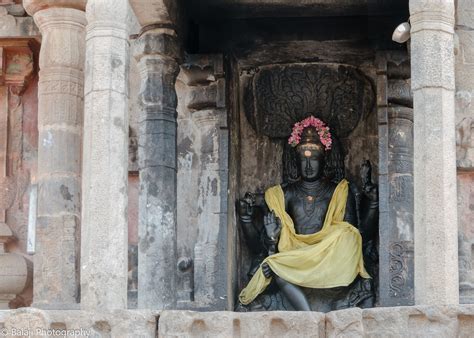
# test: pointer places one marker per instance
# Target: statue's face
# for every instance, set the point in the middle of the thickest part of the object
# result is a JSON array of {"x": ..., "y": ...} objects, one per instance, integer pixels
[{"x": 311, "y": 163}]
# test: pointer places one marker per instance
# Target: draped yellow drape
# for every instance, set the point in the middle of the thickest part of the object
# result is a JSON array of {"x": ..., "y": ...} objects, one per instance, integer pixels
[{"x": 328, "y": 258}]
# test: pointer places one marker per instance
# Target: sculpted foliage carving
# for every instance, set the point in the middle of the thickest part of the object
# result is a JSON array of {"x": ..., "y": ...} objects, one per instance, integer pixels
[{"x": 400, "y": 253}]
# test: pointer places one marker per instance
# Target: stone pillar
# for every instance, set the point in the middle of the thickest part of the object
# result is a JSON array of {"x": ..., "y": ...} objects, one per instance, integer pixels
[
  {"x": 435, "y": 209},
  {"x": 60, "y": 109},
  {"x": 395, "y": 118},
  {"x": 104, "y": 235},
  {"x": 157, "y": 52},
  {"x": 206, "y": 100}
]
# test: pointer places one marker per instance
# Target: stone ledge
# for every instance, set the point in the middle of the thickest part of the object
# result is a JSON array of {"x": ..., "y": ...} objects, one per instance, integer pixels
[
  {"x": 410, "y": 321},
  {"x": 119, "y": 323}
]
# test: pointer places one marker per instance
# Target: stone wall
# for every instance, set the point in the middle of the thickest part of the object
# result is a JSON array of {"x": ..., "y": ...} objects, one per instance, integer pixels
[{"x": 419, "y": 321}]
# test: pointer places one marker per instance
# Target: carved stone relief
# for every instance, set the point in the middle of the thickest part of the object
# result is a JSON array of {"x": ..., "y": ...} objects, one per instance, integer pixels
[
  {"x": 15, "y": 73},
  {"x": 400, "y": 253},
  {"x": 280, "y": 95},
  {"x": 273, "y": 98},
  {"x": 396, "y": 180}
]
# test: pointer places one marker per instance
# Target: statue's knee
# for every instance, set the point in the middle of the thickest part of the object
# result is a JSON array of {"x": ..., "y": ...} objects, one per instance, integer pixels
[{"x": 280, "y": 281}]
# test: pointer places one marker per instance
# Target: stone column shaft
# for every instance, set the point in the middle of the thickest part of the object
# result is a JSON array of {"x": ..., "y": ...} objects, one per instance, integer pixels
[
  {"x": 60, "y": 109},
  {"x": 3, "y": 153},
  {"x": 157, "y": 52},
  {"x": 104, "y": 240},
  {"x": 206, "y": 256},
  {"x": 205, "y": 98},
  {"x": 435, "y": 209}
]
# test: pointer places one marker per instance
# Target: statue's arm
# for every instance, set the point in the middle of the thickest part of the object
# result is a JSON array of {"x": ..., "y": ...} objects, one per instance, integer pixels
[
  {"x": 369, "y": 205},
  {"x": 350, "y": 215},
  {"x": 273, "y": 226},
  {"x": 248, "y": 215},
  {"x": 369, "y": 214}
]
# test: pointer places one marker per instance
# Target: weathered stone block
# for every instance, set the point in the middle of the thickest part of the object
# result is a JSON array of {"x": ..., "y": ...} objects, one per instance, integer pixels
[
  {"x": 233, "y": 324},
  {"x": 465, "y": 13},
  {"x": 466, "y": 44},
  {"x": 120, "y": 323},
  {"x": 16, "y": 26},
  {"x": 436, "y": 273},
  {"x": 432, "y": 46}
]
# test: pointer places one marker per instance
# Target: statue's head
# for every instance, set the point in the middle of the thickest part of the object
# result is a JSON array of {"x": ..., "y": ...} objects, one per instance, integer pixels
[
  {"x": 312, "y": 140},
  {"x": 311, "y": 155}
]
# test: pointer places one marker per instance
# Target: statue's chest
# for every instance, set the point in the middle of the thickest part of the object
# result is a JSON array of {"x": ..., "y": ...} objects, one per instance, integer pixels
[{"x": 308, "y": 213}]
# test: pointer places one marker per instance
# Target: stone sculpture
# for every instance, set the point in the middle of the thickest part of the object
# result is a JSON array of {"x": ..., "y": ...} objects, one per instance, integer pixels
[{"x": 311, "y": 231}]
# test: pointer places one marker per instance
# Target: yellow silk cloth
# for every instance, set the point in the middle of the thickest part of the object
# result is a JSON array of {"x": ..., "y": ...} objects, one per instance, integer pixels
[{"x": 328, "y": 258}]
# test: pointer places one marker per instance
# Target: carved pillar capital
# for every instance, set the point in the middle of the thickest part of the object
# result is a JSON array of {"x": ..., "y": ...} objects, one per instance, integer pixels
[
  {"x": 432, "y": 42},
  {"x": 157, "y": 43},
  {"x": 427, "y": 6},
  {"x": 17, "y": 64},
  {"x": 34, "y": 6},
  {"x": 62, "y": 29},
  {"x": 432, "y": 15},
  {"x": 108, "y": 18},
  {"x": 149, "y": 12}
]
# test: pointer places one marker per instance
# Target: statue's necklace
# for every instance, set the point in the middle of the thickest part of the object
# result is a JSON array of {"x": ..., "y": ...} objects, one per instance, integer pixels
[{"x": 309, "y": 194}]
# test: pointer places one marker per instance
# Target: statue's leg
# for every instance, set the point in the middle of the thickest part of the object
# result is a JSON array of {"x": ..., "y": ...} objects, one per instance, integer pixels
[{"x": 294, "y": 294}]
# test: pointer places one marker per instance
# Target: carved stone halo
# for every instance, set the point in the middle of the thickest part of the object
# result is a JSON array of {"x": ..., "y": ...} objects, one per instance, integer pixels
[{"x": 280, "y": 95}]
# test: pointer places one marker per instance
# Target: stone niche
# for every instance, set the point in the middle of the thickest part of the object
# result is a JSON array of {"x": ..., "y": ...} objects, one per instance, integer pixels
[
  {"x": 274, "y": 93},
  {"x": 280, "y": 63}
]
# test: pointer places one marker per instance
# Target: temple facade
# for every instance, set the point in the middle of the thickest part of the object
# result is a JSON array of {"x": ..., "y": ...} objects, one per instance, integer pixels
[{"x": 131, "y": 129}]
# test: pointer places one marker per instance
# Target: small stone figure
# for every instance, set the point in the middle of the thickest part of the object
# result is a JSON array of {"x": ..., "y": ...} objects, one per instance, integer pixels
[{"x": 309, "y": 226}]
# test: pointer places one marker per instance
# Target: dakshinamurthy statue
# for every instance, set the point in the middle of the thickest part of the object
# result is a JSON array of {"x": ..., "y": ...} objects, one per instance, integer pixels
[{"x": 310, "y": 229}]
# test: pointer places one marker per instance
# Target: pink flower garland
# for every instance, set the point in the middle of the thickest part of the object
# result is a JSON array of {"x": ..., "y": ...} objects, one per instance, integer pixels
[{"x": 321, "y": 128}]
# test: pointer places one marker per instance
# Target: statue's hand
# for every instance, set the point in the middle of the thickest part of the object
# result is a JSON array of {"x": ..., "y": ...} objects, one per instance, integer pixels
[
  {"x": 246, "y": 206},
  {"x": 272, "y": 226},
  {"x": 369, "y": 188},
  {"x": 372, "y": 192},
  {"x": 267, "y": 271},
  {"x": 366, "y": 172}
]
